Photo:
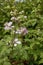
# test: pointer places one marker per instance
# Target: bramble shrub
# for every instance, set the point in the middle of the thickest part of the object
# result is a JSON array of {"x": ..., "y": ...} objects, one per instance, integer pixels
[{"x": 21, "y": 32}]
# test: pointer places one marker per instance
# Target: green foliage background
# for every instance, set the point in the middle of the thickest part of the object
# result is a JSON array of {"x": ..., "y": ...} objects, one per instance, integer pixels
[{"x": 30, "y": 52}]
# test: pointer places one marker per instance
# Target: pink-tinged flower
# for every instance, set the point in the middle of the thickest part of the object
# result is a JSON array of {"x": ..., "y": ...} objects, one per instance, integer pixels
[
  {"x": 7, "y": 28},
  {"x": 8, "y": 24},
  {"x": 24, "y": 31}
]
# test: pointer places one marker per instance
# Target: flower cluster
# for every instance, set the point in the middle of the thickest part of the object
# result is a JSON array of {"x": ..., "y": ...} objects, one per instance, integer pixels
[
  {"x": 22, "y": 30},
  {"x": 8, "y": 26},
  {"x": 16, "y": 41}
]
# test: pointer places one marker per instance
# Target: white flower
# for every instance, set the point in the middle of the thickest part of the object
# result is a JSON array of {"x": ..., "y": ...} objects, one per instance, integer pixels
[
  {"x": 18, "y": 42},
  {"x": 15, "y": 44},
  {"x": 13, "y": 18},
  {"x": 9, "y": 24},
  {"x": 22, "y": 11},
  {"x": 18, "y": 32},
  {"x": 25, "y": 16},
  {"x": 16, "y": 39}
]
